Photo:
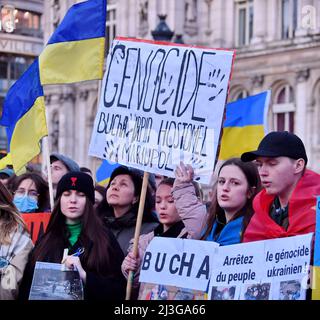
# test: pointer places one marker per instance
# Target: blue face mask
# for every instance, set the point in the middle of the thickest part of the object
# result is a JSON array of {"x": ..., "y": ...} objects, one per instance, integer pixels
[{"x": 25, "y": 203}]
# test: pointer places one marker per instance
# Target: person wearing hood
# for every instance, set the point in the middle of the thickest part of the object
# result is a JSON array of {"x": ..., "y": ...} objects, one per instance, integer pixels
[{"x": 60, "y": 165}]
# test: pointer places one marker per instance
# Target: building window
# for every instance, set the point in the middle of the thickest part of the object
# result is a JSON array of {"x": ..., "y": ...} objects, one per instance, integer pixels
[
  {"x": 244, "y": 22},
  {"x": 289, "y": 17},
  {"x": 11, "y": 68},
  {"x": 3, "y": 135},
  {"x": 111, "y": 26},
  {"x": 283, "y": 110},
  {"x": 27, "y": 23},
  {"x": 238, "y": 93}
]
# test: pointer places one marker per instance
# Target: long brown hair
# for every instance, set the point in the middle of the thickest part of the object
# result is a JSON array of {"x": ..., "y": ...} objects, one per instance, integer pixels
[
  {"x": 251, "y": 173},
  {"x": 10, "y": 217},
  {"x": 98, "y": 252}
]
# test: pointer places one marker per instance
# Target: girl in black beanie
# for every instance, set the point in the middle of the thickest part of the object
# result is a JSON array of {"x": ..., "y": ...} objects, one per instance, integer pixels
[{"x": 74, "y": 225}]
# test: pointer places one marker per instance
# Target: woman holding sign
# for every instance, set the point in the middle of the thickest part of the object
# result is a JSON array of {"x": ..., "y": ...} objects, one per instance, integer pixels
[
  {"x": 15, "y": 246},
  {"x": 231, "y": 207},
  {"x": 175, "y": 221},
  {"x": 92, "y": 249}
]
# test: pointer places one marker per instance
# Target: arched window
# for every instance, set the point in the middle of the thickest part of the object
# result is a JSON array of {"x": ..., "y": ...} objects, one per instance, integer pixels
[
  {"x": 238, "y": 93},
  {"x": 283, "y": 109}
]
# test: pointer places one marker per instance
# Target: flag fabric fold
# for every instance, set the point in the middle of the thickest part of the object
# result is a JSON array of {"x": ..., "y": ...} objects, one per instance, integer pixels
[
  {"x": 104, "y": 172},
  {"x": 245, "y": 125},
  {"x": 24, "y": 116},
  {"x": 79, "y": 40}
]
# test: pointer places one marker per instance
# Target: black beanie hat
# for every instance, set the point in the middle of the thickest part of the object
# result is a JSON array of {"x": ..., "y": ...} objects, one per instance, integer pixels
[{"x": 76, "y": 180}]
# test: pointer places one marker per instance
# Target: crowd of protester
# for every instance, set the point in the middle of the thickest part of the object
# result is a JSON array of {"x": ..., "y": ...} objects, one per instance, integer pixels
[{"x": 267, "y": 193}]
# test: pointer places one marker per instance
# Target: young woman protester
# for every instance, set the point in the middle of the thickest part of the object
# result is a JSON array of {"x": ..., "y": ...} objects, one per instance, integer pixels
[
  {"x": 231, "y": 206},
  {"x": 74, "y": 225},
  {"x": 31, "y": 193},
  {"x": 15, "y": 246},
  {"x": 120, "y": 206},
  {"x": 176, "y": 219}
]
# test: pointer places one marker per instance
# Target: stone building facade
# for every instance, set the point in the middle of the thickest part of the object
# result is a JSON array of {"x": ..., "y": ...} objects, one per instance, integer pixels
[{"x": 277, "y": 46}]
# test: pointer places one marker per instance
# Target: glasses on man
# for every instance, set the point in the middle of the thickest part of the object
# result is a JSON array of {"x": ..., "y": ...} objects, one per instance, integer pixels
[{"x": 30, "y": 193}]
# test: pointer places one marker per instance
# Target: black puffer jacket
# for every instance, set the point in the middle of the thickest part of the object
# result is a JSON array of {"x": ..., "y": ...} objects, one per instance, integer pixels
[
  {"x": 109, "y": 286},
  {"x": 123, "y": 228}
]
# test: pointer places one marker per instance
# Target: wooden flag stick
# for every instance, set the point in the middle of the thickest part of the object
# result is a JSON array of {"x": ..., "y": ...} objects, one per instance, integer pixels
[{"x": 137, "y": 230}]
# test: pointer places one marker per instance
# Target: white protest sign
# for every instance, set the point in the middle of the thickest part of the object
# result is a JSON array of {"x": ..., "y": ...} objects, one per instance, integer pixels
[
  {"x": 162, "y": 103},
  {"x": 275, "y": 269},
  {"x": 178, "y": 262},
  {"x": 287, "y": 266},
  {"x": 234, "y": 265}
]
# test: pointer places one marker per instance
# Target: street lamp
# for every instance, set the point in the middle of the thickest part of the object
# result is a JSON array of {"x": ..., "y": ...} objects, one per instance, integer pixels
[{"x": 162, "y": 32}]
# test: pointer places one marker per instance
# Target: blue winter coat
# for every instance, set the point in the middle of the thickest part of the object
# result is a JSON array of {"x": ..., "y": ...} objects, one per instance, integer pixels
[{"x": 230, "y": 234}]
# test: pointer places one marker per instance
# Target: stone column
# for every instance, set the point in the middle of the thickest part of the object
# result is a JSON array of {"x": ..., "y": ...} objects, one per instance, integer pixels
[
  {"x": 273, "y": 20},
  {"x": 67, "y": 144},
  {"x": 80, "y": 125},
  {"x": 208, "y": 29},
  {"x": 259, "y": 21},
  {"x": 302, "y": 77}
]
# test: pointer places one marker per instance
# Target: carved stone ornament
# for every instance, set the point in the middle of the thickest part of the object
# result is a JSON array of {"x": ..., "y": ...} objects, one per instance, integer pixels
[
  {"x": 143, "y": 18},
  {"x": 303, "y": 75},
  {"x": 257, "y": 81},
  {"x": 190, "y": 17}
]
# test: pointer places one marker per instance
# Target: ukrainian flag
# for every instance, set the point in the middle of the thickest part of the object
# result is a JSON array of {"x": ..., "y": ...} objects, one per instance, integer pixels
[
  {"x": 245, "y": 125},
  {"x": 5, "y": 161},
  {"x": 75, "y": 51},
  {"x": 104, "y": 172},
  {"x": 24, "y": 116}
]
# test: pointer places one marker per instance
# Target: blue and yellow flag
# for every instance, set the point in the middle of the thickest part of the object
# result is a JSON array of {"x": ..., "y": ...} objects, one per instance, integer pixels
[
  {"x": 24, "y": 116},
  {"x": 75, "y": 51},
  {"x": 244, "y": 126},
  {"x": 316, "y": 256},
  {"x": 104, "y": 172}
]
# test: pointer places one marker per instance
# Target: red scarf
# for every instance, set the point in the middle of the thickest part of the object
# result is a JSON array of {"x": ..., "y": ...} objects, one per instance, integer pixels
[{"x": 302, "y": 211}]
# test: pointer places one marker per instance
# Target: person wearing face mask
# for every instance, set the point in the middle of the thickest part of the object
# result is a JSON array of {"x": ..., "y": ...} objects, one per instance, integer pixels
[{"x": 31, "y": 193}]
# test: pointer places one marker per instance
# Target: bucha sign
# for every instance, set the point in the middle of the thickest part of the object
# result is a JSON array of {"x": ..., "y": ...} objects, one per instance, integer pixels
[{"x": 161, "y": 103}]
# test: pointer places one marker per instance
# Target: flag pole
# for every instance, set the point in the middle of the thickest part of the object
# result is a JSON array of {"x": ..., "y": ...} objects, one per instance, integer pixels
[
  {"x": 137, "y": 230},
  {"x": 45, "y": 141},
  {"x": 98, "y": 103}
]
